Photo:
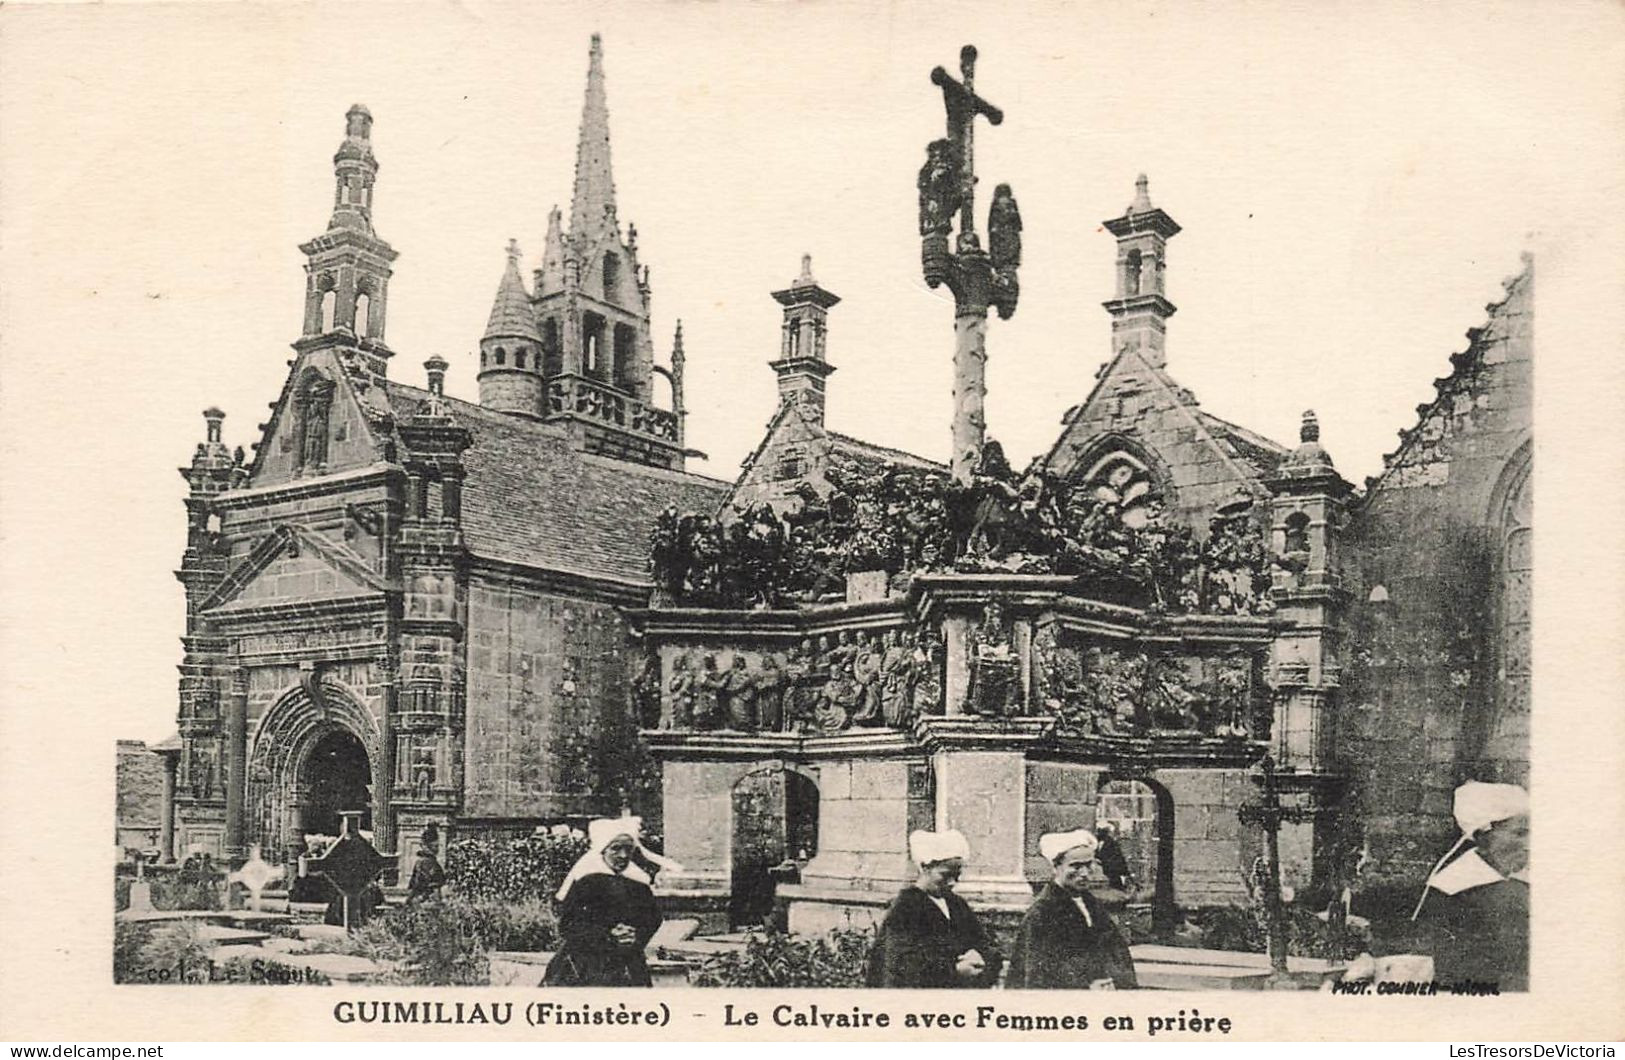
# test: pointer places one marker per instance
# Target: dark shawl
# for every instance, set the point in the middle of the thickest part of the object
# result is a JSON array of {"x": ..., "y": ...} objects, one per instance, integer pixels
[
  {"x": 917, "y": 947},
  {"x": 589, "y": 957},
  {"x": 1481, "y": 934},
  {"x": 1058, "y": 950}
]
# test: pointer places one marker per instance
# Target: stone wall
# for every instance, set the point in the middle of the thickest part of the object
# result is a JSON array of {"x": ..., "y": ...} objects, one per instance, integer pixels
[
  {"x": 140, "y": 795},
  {"x": 550, "y": 728},
  {"x": 1438, "y": 685}
]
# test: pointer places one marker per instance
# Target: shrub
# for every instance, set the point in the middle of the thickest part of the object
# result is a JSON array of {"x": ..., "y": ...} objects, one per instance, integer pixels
[
  {"x": 128, "y": 942},
  {"x": 486, "y": 867},
  {"x": 775, "y": 959},
  {"x": 170, "y": 892}
]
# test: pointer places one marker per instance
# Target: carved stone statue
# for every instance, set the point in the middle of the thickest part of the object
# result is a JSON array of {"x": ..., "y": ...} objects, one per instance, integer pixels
[
  {"x": 939, "y": 187},
  {"x": 1004, "y": 230},
  {"x": 800, "y": 689}
]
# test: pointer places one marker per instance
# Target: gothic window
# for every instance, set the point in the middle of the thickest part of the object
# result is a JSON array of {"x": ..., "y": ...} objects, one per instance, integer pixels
[
  {"x": 792, "y": 338},
  {"x": 519, "y": 357},
  {"x": 1124, "y": 480},
  {"x": 1297, "y": 533},
  {"x": 1131, "y": 274},
  {"x": 552, "y": 353},
  {"x": 363, "y": 311},
  {"x": 314, "y": 406},
  {"x": 1517, "y": 568},
  {"x": 624, "y": 338},
  {"x": 592, "y": 341},
  {"x": 502, "y": 355},
  {"x": 330, "y": 301},
  {"x": 612, "y": 274}
]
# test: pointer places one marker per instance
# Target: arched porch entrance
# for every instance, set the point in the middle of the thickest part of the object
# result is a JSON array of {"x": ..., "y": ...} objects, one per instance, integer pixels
[
  {"x": 335, "y": 777},
  {"x": 307, "y": 763}
]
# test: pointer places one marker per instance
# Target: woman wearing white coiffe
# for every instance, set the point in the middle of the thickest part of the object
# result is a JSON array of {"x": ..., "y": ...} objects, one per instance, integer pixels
[
  {"x": 645, "y": 863},
  {"x": 930, "y": 937},
  {"x": 1476, "y": 902},
  {"x": 609, "y": 914}
]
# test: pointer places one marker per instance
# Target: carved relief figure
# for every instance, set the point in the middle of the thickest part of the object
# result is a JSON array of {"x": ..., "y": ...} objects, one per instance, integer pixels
[
  {"x": 896, "y": 677},
  {"x": 926, "y": 663},
  {"x": 680, "y": 709},
  {"x": 738, "y": 690},
  {"x": 645, "y": 686},
  {"x": 994, "y": 677},
  {"x": 866, "y": 674},
  {"x": 770, "y": 683},
  {"x": 707, "y": 683},
  {"x": 798, "y": 695}
]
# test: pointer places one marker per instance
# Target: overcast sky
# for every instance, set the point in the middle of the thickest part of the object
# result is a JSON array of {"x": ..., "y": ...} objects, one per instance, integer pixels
[{"x": 1354, "y": 183}]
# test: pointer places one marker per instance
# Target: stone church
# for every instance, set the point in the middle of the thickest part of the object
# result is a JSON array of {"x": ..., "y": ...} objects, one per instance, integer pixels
[{"x": 400, "y": 603}]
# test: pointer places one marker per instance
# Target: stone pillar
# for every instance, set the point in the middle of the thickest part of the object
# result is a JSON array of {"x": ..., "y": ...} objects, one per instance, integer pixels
[
  {"x": 383, "y": 821},
  {"x": 236, "y": 764},
  {"x": 166, "y": 826},
  {"x": 983, "y": 794},
  {"x": 970, "y": 390},
  {"x": 956, "y": 654}
]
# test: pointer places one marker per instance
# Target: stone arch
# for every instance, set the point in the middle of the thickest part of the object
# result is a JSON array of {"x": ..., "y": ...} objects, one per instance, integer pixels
[
  {"x": 1149, "y": 837},
  {"x": 773, "y": 818},
  {"x": 281, "y": 745},
  {"x": 1121, "y": 470}
]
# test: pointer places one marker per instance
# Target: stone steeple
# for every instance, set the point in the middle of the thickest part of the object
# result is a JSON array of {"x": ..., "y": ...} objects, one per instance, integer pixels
[
  {"x": 1140, "y": 311},
  {"x": 510, "y": 374},
  {"x": 592, "y": 206},
  {"x": 591, "y": 312}
]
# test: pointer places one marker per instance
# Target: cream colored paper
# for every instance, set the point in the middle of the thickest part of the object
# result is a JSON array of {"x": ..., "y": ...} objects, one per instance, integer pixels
[{"x": 1353, "y": 180}]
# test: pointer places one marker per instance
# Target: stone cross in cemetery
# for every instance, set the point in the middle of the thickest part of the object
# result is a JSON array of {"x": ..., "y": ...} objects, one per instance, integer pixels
[
  {"x": 1269, "y": 815},
  {"x": 978, "y": 278},
  {"x": 255, "y": 874},
  {"x": 351, "y": 864}
]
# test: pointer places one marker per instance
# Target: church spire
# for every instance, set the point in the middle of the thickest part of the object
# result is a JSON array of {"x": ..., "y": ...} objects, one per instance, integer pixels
[
  {"x": 511, "y": 362},
  {"x": 1141, "y": 309},
  {"x": 592, "y": 207}
]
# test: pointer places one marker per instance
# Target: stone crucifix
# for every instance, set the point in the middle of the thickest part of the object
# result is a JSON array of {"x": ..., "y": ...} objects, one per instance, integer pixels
[{"x": 978, "y": 278}]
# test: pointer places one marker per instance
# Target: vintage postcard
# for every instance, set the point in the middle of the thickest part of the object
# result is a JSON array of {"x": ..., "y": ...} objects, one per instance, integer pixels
[{"x": 832, "y": 522}]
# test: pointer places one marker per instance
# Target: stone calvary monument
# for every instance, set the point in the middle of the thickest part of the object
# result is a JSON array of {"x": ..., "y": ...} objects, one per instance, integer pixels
[{"x": 1004, "y": 649}]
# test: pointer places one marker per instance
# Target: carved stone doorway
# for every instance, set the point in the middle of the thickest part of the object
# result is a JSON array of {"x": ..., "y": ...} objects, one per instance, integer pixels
[
  {"x": 335, "y": 777},
  {"x": 775, "y": 822}
]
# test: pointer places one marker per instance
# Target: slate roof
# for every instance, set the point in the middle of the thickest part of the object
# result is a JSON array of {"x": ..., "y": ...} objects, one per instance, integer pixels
[
  {"x": 1257, "y": 450},
  {"x": 511, "y": 315},
  {"x": 868, "y": 453},
  {"x": 529, "y": 498}
]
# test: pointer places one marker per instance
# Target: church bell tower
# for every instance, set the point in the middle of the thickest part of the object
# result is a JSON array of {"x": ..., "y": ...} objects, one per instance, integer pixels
[
  {"x": 347, "y": 268},
  {"x": 589, "y": 356},
  {"x": 1141, "y": 310}
]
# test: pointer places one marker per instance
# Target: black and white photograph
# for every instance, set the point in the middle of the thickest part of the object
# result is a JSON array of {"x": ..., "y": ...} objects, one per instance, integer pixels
[{"x": 856, "y": 498}]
